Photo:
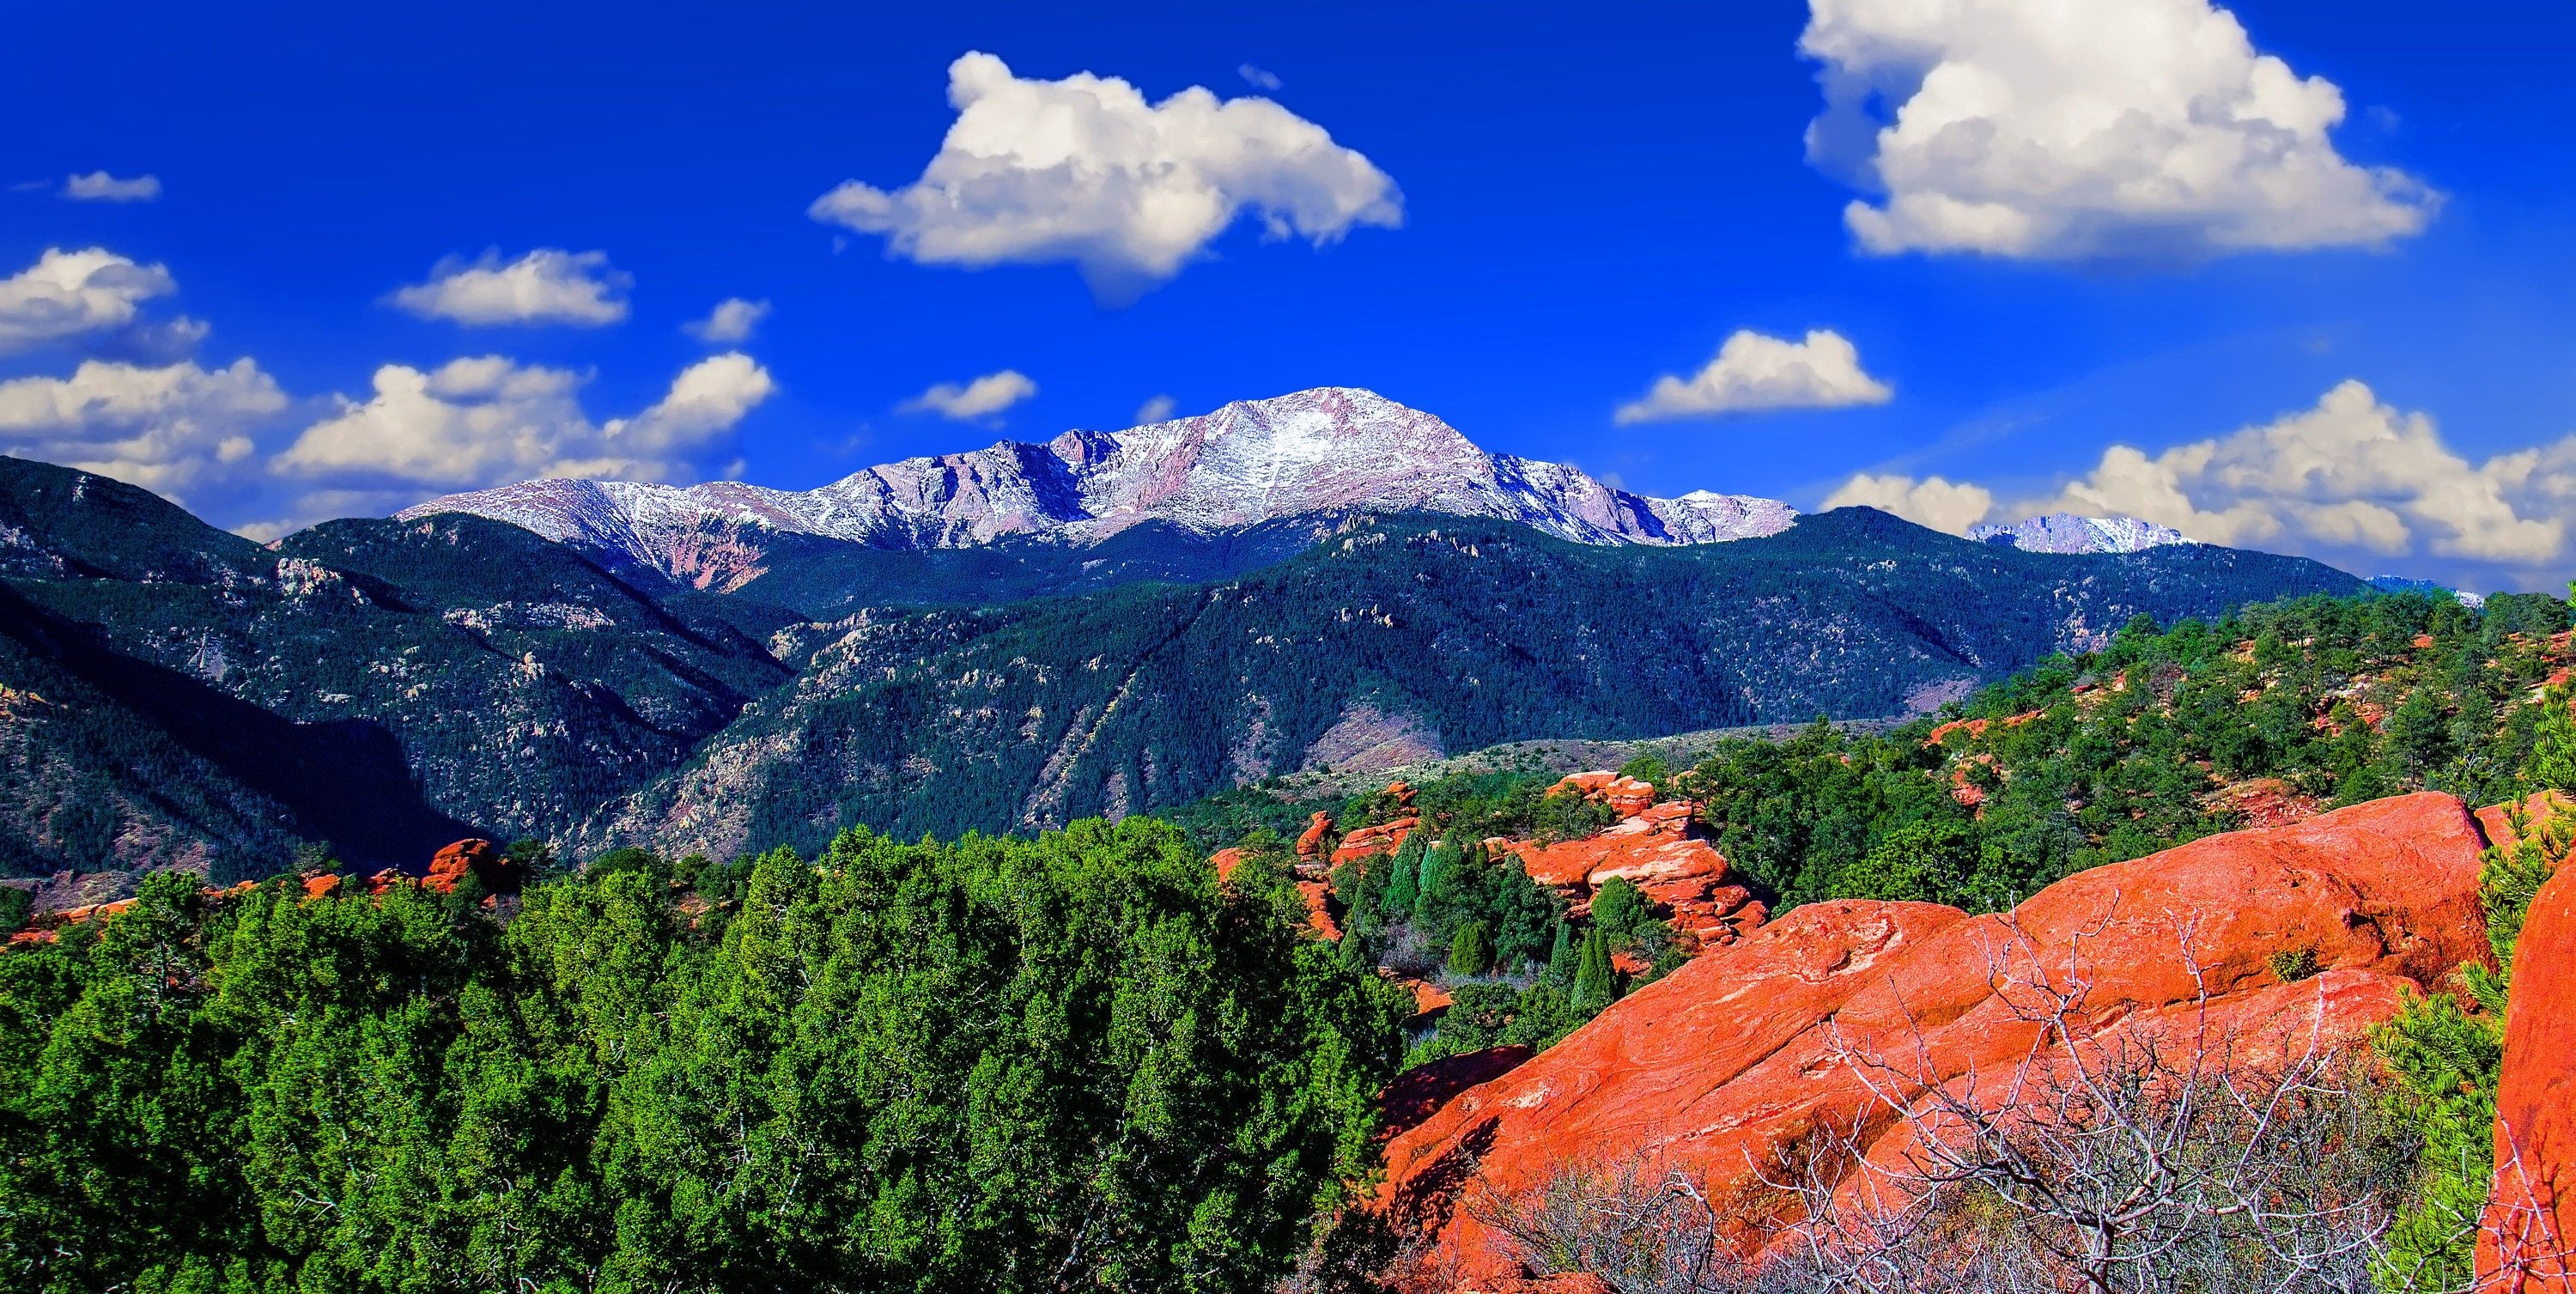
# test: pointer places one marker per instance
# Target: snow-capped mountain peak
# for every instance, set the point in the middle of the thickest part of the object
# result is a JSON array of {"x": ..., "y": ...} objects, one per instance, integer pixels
[
  {"x": 2065, "y": 532},
  {"x": 1328, "y": 450}
]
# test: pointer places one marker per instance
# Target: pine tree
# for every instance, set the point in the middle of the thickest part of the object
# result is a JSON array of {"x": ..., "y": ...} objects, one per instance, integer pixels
[
  {"x": 1561, "y": 958},
  {"x": 2553, "y": 753},
  {"x": 1595, "y": 986},
  {"x": 1404, "y": 888},
  {"x": 1471, "y": 952}
]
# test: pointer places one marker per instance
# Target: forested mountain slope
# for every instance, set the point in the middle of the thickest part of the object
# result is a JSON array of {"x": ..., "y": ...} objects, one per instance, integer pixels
[
  {"x": 1396, "y": 637},
  {"x": 181, "y": 696}
]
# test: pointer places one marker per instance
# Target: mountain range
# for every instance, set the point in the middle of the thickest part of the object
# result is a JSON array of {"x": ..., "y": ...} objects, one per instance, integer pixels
[
  {"x": 1326, "y": 451},
  {"x": 1000, "y": 640}
]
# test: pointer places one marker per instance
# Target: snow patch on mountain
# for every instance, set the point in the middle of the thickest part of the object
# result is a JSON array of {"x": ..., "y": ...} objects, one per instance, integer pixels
[
  {"x": 2064, "y": 532},
  {"x": 1333, "y": 449}
]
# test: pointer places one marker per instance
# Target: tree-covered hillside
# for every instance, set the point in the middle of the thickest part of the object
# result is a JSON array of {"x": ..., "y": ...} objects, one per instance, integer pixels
[
  {"x": 185, "y": 697},
  {"x": 1405, "y": 634}
]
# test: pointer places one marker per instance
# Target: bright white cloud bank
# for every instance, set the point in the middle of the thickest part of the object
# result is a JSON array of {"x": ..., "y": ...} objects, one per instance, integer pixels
[
  {"x": 1085, "y": 170},
  {"x": 69, "y": 294},
  {"x": 2351, "y": 474},
  {"x": 474, "y": 422},
  {"x": 99, "y": 186},
  {"x": 986, "y": 395},
  {"x": 1753, "y": 372},
  {"x": 546, "y": 286},
  {"x": 730, "y": 322},
  {"x": 2107, "y": 128},
  {"x": 1935, "y": 502},
  {"x": 162, "y": 428}
]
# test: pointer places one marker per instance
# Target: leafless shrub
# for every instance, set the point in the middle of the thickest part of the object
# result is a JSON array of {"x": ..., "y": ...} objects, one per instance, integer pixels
[{"x": 1640, "y": 1229}]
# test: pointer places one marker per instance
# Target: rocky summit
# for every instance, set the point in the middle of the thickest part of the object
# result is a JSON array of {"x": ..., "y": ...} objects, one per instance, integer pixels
[
  {"x": 2062, "y": 532},
  {"x": 1324, "y": 451}
]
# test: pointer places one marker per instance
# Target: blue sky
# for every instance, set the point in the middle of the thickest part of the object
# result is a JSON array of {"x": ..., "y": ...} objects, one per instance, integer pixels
[{"x": 1590, "y": 199}]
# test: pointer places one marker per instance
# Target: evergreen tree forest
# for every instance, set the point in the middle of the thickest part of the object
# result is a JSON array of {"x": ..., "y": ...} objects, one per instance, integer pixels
[{"x": 1077, "y": 1062}]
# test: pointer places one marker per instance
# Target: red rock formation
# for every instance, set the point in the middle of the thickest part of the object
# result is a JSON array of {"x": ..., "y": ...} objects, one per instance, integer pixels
[
  {"x": 1385, "y": 838},
  {"x": 1310, "y": 845},
  {"x": 478, "y": 858},
  {"x": 1225, "y": 861},
  {"x": 2265, "y": 802},
  {"x": 2497, "y": 819},
  {"x": 2529, "y": 1243},
  {"x": 1657, "y": 852},
  {"x": 1728, "y": 1061},
  {"x": 1418, "y": 1092},
  {"x": 321, "y": 887},
  {"x": 1626, "y": 794},
  {"x": 1318, "y": 917}
]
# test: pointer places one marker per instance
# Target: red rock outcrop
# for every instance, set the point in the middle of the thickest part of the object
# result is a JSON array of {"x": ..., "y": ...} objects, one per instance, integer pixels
[
  {"x": 1319, "y": 917},
  {"x": 1730, "y": 1060},
  {"x": 1310, "y": 843},
  {"x": 1656, "y": 851},
  {"x": 477, "y": 858},
  {"x": 1628, "y": 795},
  {"x": 323, "y": 886},
  {"x": 1368, "y": 842},
  {"x": 1225, "y": 861},
  {"x": 2529, "y": 1242},
  {"x": 1418, "y": 1092}
]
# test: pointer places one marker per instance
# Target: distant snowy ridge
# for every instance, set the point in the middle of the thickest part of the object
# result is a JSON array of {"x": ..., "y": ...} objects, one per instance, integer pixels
[
  {"x": 2406, "y": 584},
  {"x": 2064, "y": 532},
  {"x": 1333, "y": 449}
]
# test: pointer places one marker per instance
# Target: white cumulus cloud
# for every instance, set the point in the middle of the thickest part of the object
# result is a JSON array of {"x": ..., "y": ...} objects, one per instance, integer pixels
[
  {"x": 1753, "y": 372},
  {"x": 70, "y": 294},
  {"x": 1932, "y": 501},
  {"x": 2105, "y": 129},
  {"x": 99, "y": 186},
  {"x": 986, "y": 395},
  {"x": 546, "y": 286},
  {"x": 1155, "y": 409},
  {"x": 163, "y": 428},
  {"x": 2350, "y": 473},
  {"x": 729, "y": 323},
  {"x": 2351, "y": 477},
  {"x": 488, "y": 420},
  {"x": 1085, "y": 170}
]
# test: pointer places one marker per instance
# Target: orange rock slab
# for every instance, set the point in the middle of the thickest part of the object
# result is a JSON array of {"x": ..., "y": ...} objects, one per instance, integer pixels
[
  {"x": 2526, "y": 1245},
  {"x": 1729, "y": 1060}
]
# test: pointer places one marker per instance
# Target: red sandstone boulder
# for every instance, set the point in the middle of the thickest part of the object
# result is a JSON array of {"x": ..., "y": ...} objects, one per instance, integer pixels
[
  {"x": 1732, "y": 1059},
  {"x": 477, "y": 858},
  {"x": 2529, "y": 1244},
  {"x": 1318, "y": 917},
  {"x": 321, "y": 887},
  {"x": 1368, "y": 842},
  {"x": 1625, "y": 794},
  {"x": 1225, "y": 861},
  {"x": 1310, "y": 843},
  {"x": 1656, "y": 851}
]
